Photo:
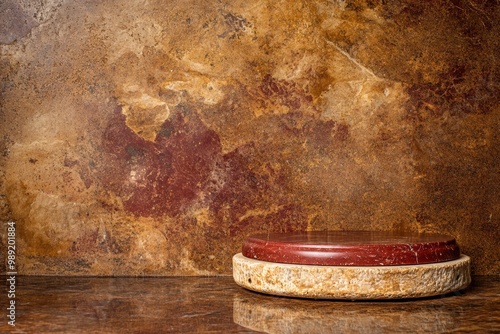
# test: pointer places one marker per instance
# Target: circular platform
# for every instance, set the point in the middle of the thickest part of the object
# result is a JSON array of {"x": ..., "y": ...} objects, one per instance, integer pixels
[
  {"x": 351, "y": 248},
  {"x": 349, "y": 282},
  {"x": 352, "y": 265}
]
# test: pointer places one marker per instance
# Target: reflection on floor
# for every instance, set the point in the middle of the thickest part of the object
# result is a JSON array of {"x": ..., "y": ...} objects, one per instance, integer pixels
[{"x": 218, "y": 305}]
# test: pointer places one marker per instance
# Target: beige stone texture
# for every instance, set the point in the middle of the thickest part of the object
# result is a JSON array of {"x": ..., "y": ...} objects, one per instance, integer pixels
[{"x": 343, "y": 282}]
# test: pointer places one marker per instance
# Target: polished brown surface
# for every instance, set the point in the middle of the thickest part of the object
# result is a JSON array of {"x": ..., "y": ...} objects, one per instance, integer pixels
[
  {"x": 218, "y": 305},
  {"x": 351, "y": 248}
]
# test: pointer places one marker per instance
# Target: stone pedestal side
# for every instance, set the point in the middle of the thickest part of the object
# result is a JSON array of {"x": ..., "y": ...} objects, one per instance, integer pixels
[{"x": 335, "y": 282}]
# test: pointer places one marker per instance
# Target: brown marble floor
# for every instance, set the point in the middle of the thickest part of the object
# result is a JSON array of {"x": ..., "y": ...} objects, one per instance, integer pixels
[{"x": 217, "y": 305}]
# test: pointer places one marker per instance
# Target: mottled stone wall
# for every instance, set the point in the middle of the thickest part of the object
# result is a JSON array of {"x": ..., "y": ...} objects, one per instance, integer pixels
[{"x": 150, "y": 138}]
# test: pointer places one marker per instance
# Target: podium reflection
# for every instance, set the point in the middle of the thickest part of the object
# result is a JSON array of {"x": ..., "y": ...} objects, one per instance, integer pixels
[{"x": 286, "y": 315}]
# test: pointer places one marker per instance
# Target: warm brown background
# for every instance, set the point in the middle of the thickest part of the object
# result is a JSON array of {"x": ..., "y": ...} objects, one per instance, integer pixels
[{"x": 150, "y": 138}]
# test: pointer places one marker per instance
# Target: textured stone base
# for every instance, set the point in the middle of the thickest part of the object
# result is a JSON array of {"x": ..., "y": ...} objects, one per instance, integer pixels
[{"x": 336, "y": 282}]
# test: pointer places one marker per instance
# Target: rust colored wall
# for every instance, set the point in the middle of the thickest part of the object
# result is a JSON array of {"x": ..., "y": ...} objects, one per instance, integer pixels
[{"x": 152, "y": 138}]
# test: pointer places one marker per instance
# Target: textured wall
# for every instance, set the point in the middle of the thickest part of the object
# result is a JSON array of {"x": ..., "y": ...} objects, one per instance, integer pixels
[{"x": 153, "y": 137}]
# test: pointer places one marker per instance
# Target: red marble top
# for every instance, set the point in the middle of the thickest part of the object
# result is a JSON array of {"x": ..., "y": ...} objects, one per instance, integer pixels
[{"x": 351, "y": 248}]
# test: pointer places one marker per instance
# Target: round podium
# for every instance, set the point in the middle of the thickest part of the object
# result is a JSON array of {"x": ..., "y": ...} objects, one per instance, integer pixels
[{"x": 351, "y": 265}]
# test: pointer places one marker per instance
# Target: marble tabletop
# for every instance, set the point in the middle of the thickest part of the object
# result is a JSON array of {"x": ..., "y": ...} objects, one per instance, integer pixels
[{"x": 217, "y": 305}]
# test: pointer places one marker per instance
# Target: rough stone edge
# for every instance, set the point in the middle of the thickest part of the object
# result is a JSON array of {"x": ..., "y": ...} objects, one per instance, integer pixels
[{"x": 337, "y": 282}]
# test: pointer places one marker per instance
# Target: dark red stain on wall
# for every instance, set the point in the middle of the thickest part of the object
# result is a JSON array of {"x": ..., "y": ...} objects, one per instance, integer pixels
[
  {"x": 282, "y": 92},
  {"x": 254, "y": 198},
  {"x": 161, "y": 177},
  {"x": 184, "y": 168},
  {"x": 459, "y": 91}
]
